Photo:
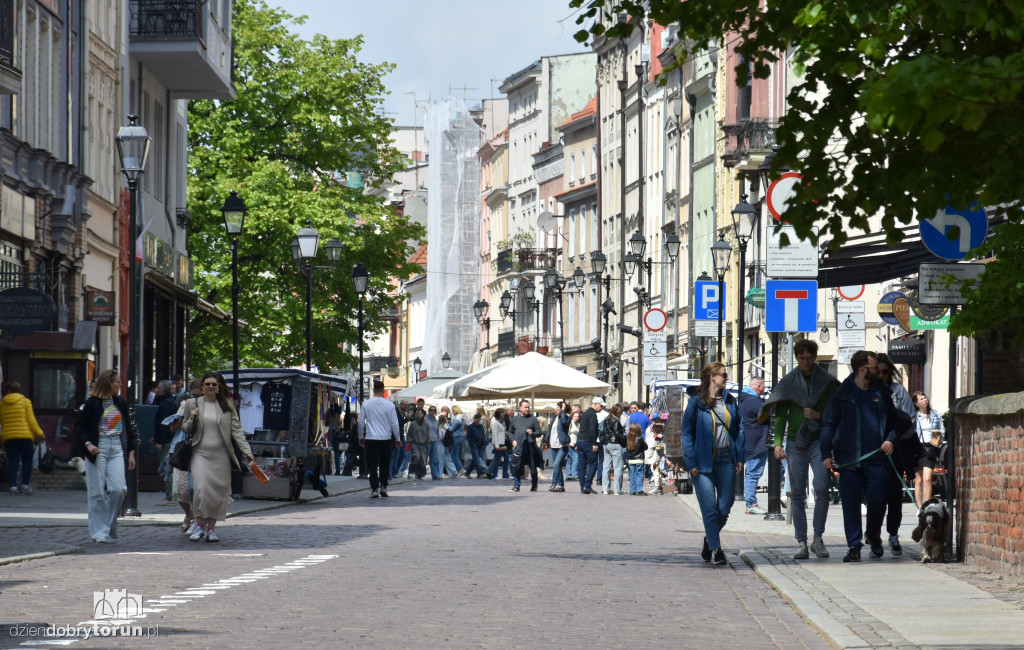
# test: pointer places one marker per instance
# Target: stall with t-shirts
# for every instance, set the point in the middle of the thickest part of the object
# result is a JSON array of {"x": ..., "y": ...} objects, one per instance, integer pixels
[{"x": 286, "y": 416}]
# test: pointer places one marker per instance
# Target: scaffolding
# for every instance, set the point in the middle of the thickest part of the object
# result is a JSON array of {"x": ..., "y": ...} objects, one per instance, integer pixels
[{"x": 453, "y": 235}]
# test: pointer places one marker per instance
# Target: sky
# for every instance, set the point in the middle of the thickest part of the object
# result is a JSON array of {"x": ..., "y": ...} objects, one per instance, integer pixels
[{"x": 462, "y": 48}]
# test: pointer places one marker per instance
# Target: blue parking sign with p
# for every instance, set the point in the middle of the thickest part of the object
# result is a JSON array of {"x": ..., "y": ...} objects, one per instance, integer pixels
[{"x": 707, "y": 301}]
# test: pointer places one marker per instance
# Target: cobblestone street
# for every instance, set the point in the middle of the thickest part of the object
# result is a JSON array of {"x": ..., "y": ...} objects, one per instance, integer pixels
[{"x": 457, "y": 563}]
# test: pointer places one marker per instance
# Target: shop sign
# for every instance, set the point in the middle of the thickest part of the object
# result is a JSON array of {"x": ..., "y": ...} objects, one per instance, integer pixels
[
  {"x": 159, "y": 255},
  {"x": 24, "y": 310},
  {"x": 99, "y": 307},
  {"x": 908, "y": 351}
]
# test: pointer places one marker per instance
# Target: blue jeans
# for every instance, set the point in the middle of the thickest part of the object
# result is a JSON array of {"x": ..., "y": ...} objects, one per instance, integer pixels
[
  {"x": 500, "y": 456},
  {"x": 636, "y": 478},
  {"x": 588, "y": 464},
  {"x": 557, "y": 456},
  {"x": 453, "y": 458},
  {"x": 751, "y": 475},
  {"x": 571, "y": 465},
  {"x": 19, "y": 449},
  {"x": 799, "y": 462},
  {"x": 437, "y": 455},
  {"x": 870, "y": 480},
  {"x": 106, "y": 486},
  {"x": 397, "y": 455},
  {"x": 715, "y": 493},
  {"x": 478, "y": 461},
  {"x": 612, "y": 460}
]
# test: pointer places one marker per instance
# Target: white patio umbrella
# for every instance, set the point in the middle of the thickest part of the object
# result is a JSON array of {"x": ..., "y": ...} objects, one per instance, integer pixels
[{"x": 529, "y": 375}]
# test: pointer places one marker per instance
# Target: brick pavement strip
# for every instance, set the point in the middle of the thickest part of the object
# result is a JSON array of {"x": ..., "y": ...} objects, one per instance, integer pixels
[{"x": 453, "y": 564}]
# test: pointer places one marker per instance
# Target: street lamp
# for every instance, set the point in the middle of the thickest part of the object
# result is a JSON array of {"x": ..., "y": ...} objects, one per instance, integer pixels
[
  {"x": 234, "y": 212},
  {"x": 743, "y": 220},
  {"x": 480, "y": 308},
  {"x": 446, "y": 361},
  {"x": 720, "y": 252},
  {"x": 417, "y": 365},
  {"x": 360, "y": 278},
  {"x": 304, "y": 249},
  {"x": 132, "y": 151}
]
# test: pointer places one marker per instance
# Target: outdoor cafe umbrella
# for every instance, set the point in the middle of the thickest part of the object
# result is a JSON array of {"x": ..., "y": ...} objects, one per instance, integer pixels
[
  {"x": 425, "y": 388},
  {"x": 528, "y": 375}
]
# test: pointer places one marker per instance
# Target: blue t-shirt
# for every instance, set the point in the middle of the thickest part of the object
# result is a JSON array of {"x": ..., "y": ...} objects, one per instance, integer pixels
[{"x": 640, "y": 418}]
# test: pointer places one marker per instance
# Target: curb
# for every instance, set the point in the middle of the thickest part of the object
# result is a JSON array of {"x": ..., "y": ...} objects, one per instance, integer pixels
[{"x": 60, "y": 549}]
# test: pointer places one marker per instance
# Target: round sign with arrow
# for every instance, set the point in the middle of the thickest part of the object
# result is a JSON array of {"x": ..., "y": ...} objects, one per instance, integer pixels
[{"x": 951, "y": 233}]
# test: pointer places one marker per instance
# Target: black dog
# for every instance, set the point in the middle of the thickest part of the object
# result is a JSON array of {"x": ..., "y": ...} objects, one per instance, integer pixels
[{"x": 932, "y": 530}]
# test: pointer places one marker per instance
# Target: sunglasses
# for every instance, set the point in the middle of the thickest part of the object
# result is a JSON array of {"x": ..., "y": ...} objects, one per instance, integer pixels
[
  {"x": 720, "y": 374},
  {"x": 209, "y": 385}
]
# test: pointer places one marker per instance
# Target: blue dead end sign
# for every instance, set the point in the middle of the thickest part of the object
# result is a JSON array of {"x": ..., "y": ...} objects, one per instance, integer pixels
[
  {"x": 791, "y": 306},
  {"x": 951, "y": 233}
]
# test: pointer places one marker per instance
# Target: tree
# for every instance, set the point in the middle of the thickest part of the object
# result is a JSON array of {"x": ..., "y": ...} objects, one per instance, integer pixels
[
  {"x": 899, "y": 109},
  {"x": 307, "y": 116}
]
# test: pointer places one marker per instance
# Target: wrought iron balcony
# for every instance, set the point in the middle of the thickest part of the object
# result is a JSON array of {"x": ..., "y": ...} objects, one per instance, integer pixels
[
  {"x": 748, "y": 143},
  {"x": 167, "y": 19}
]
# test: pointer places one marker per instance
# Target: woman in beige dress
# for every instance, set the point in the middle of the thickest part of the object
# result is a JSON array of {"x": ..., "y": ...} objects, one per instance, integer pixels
[{"x": 214, "y": 426}]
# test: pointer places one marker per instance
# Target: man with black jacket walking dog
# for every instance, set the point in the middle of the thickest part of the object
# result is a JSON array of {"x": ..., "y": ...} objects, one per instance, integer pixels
[{"x": 522, "y": 429}]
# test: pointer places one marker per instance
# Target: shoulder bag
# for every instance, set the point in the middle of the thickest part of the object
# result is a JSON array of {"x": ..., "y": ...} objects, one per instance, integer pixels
[{"x": 181, "y": 457}]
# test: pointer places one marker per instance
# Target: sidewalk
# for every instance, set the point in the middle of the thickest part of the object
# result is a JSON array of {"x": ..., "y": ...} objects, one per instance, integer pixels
[
  {"x": 68, "y": 508},
  {"x": 889, "y": 601}
]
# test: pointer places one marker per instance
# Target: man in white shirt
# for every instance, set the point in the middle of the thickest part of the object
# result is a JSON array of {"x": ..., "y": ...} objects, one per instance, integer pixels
[{"x": 378, "y": 435}]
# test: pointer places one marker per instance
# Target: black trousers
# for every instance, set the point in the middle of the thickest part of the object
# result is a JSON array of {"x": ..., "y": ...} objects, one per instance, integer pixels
[{"x": 378, "y": 461}]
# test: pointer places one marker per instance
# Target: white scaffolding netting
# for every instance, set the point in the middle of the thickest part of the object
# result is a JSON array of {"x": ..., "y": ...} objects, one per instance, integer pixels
[{"x": 453, "y": 236}]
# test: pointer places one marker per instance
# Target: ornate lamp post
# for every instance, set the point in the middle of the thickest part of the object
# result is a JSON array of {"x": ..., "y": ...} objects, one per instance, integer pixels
[
  {"x": 234, "y": 212},
  {"x": 304, "y": 249},
  {"x": 132, "y": 151},
  {"x": 417, "y": 365},
  {"x": 743, "y": 219},
  {"x": 360, "y": 280},
  {"x": 720, "y": 252}
]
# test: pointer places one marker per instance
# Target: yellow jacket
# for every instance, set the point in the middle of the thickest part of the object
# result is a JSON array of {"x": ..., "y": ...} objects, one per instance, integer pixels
[{"x": 17, "y": 422}]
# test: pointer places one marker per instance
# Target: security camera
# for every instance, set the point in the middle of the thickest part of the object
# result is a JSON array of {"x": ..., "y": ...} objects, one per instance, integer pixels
[
  {"x": 628, "y": 329},
  {"x": 596, "y": 344}
]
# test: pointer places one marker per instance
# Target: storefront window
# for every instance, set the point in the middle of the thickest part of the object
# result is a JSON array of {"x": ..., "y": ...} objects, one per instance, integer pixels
[{"x": 55, "y": 386}]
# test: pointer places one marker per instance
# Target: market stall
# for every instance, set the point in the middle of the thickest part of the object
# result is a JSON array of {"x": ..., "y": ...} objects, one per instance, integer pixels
[{"x": 286, "y": 415}]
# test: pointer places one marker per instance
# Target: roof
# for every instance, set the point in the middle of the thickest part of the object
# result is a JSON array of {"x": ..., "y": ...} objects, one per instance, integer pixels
[
  {"x": 588, "y": 110},
  {"x": 420, "y": 256}
]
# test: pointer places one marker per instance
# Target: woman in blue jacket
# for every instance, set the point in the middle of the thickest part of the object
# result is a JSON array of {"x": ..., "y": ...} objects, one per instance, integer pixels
[{"x": 713, "y": 452}]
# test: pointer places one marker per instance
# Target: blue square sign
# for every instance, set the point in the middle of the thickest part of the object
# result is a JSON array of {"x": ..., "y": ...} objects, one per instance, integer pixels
[
  {"x": 707, "y": 301},
  {"x": 791, "y": 306}
]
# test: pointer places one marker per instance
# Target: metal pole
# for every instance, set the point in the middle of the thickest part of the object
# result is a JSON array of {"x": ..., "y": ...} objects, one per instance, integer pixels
[
  {"x": 309, "y": 316},
  {"x": 721, "y": 309},
  {"x": 515, "y": 344},
  {"x": 951, "y": 442},
  {"x": 234, "y": 316},
  {"x": 360, "y": 354},
  {"x": 774, "y": 464},
  {"x": 131, "y": 505},
  {"x": 742, "y": 316}
]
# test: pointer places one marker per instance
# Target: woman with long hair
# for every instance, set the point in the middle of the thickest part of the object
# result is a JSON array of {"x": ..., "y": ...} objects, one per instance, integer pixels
[
  {"x": 929, "y": 428},
  {"x": 635, "y": 448},
  {"x": 713, "y": 449},
  {"x": 213, "y": 425},
  {"x": 104, "y": 435},
  {"x": 613, "y": 441}
]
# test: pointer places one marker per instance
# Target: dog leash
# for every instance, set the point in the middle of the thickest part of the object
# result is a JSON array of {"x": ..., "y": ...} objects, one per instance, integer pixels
[{"x": 892, "y": 463}]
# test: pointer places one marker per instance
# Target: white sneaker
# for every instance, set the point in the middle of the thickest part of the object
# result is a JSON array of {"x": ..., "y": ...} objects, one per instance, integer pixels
[
  {"x": 198, "y": 535},
  {"x": 192, "y": 529},
  {"x": 211, "y": 536},
  {"x": 14, "y": 490},
  {"x": 26, "y": 489}
]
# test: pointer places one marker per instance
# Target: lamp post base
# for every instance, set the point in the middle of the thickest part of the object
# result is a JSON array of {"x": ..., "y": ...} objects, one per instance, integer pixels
[
  {"x": 132, "y": 512},
  {"x": 774, "y": 517}
]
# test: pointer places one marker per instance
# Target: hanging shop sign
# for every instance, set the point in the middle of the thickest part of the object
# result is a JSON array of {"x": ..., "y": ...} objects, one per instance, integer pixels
[{"x": 24, "y": 310}]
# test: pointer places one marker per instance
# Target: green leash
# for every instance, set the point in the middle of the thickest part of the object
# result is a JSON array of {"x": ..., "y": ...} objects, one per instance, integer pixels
[{"x": 891, "y": 462}]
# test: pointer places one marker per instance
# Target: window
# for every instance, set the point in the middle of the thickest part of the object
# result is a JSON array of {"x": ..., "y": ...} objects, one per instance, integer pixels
[
  {"x": 572, "y": 168},
  {"x": 593, "y": 160},
  {"x": 583, "y": 165},
  {"x": 55, "y": 386}
]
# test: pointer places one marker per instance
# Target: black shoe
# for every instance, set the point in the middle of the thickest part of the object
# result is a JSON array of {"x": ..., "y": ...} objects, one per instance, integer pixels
[
  {"x": 559, "y": 489},
  {"x": 853, "y": 555},
  {"x": 384, "y": 492},
  {"x": 705, "y": 551},
  {"x": 513, "y": 489},
  {"x": 587, "y": 491},
  {"x": 877, "y": 550},
  {"x": 337, "y": 473},
  {"x": 533, "y": 488},
  {"x": 719, "y": 557}
]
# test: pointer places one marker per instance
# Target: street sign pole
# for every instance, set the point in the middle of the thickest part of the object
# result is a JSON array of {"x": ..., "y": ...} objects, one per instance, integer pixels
[
  {"x": 774, "y": 464},
  {"x": 721, "y": 305}
]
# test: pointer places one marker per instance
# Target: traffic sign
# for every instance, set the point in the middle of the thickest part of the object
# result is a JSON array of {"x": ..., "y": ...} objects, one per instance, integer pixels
[
  {"x": 851, "y": 291},
  {"x": 651, "y": 376},
  {"x": 933, "y": 279},
  {"x": 661, "y": 336},
  {"x": 797, "y": 259},
  {"x": 856, "y": 339},
  {"x": 655, "y": 320},
  {"x": 791, "y": 306},
  {"x": 707, "y": 301},
  {"x": 846, "y": 355},
  {"x": 850, "y": 307},
  {"x": 851, "y": 321},
  {"x": 705, "y": 328},
  {"x": 951, "y": 233},
  {"x": 780, "y": 193}
]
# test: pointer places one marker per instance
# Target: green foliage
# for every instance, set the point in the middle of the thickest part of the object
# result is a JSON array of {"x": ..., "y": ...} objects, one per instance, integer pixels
[
  {"x": 305, "y": 114},
  {"x": 896, "y": 109}
]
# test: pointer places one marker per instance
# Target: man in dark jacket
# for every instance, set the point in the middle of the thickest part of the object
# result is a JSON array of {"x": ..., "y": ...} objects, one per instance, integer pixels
[
  {"x": 166, "y": 406},
  {"x": 756, "y": 435},
  {"x": 522, "y": 429},
  {"x": 860, "y": 421},
  {"x": 586, "y": 445},
  {"x": 476, "y": 438}
]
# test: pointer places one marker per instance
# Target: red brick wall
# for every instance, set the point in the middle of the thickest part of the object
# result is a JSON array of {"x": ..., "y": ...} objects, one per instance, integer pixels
[{"x": 990, "y": 491}]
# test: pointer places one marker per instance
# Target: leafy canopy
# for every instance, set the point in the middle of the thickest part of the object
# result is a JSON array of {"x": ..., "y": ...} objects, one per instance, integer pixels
[
  {"x": 306, "y": 113},
  {"x": 898, "y": 109}
]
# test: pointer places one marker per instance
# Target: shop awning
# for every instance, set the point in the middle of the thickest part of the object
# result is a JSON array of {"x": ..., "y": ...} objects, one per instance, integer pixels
[
  {"x": 263, "y": 375},
  {"x": 869, "y": 259}
]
